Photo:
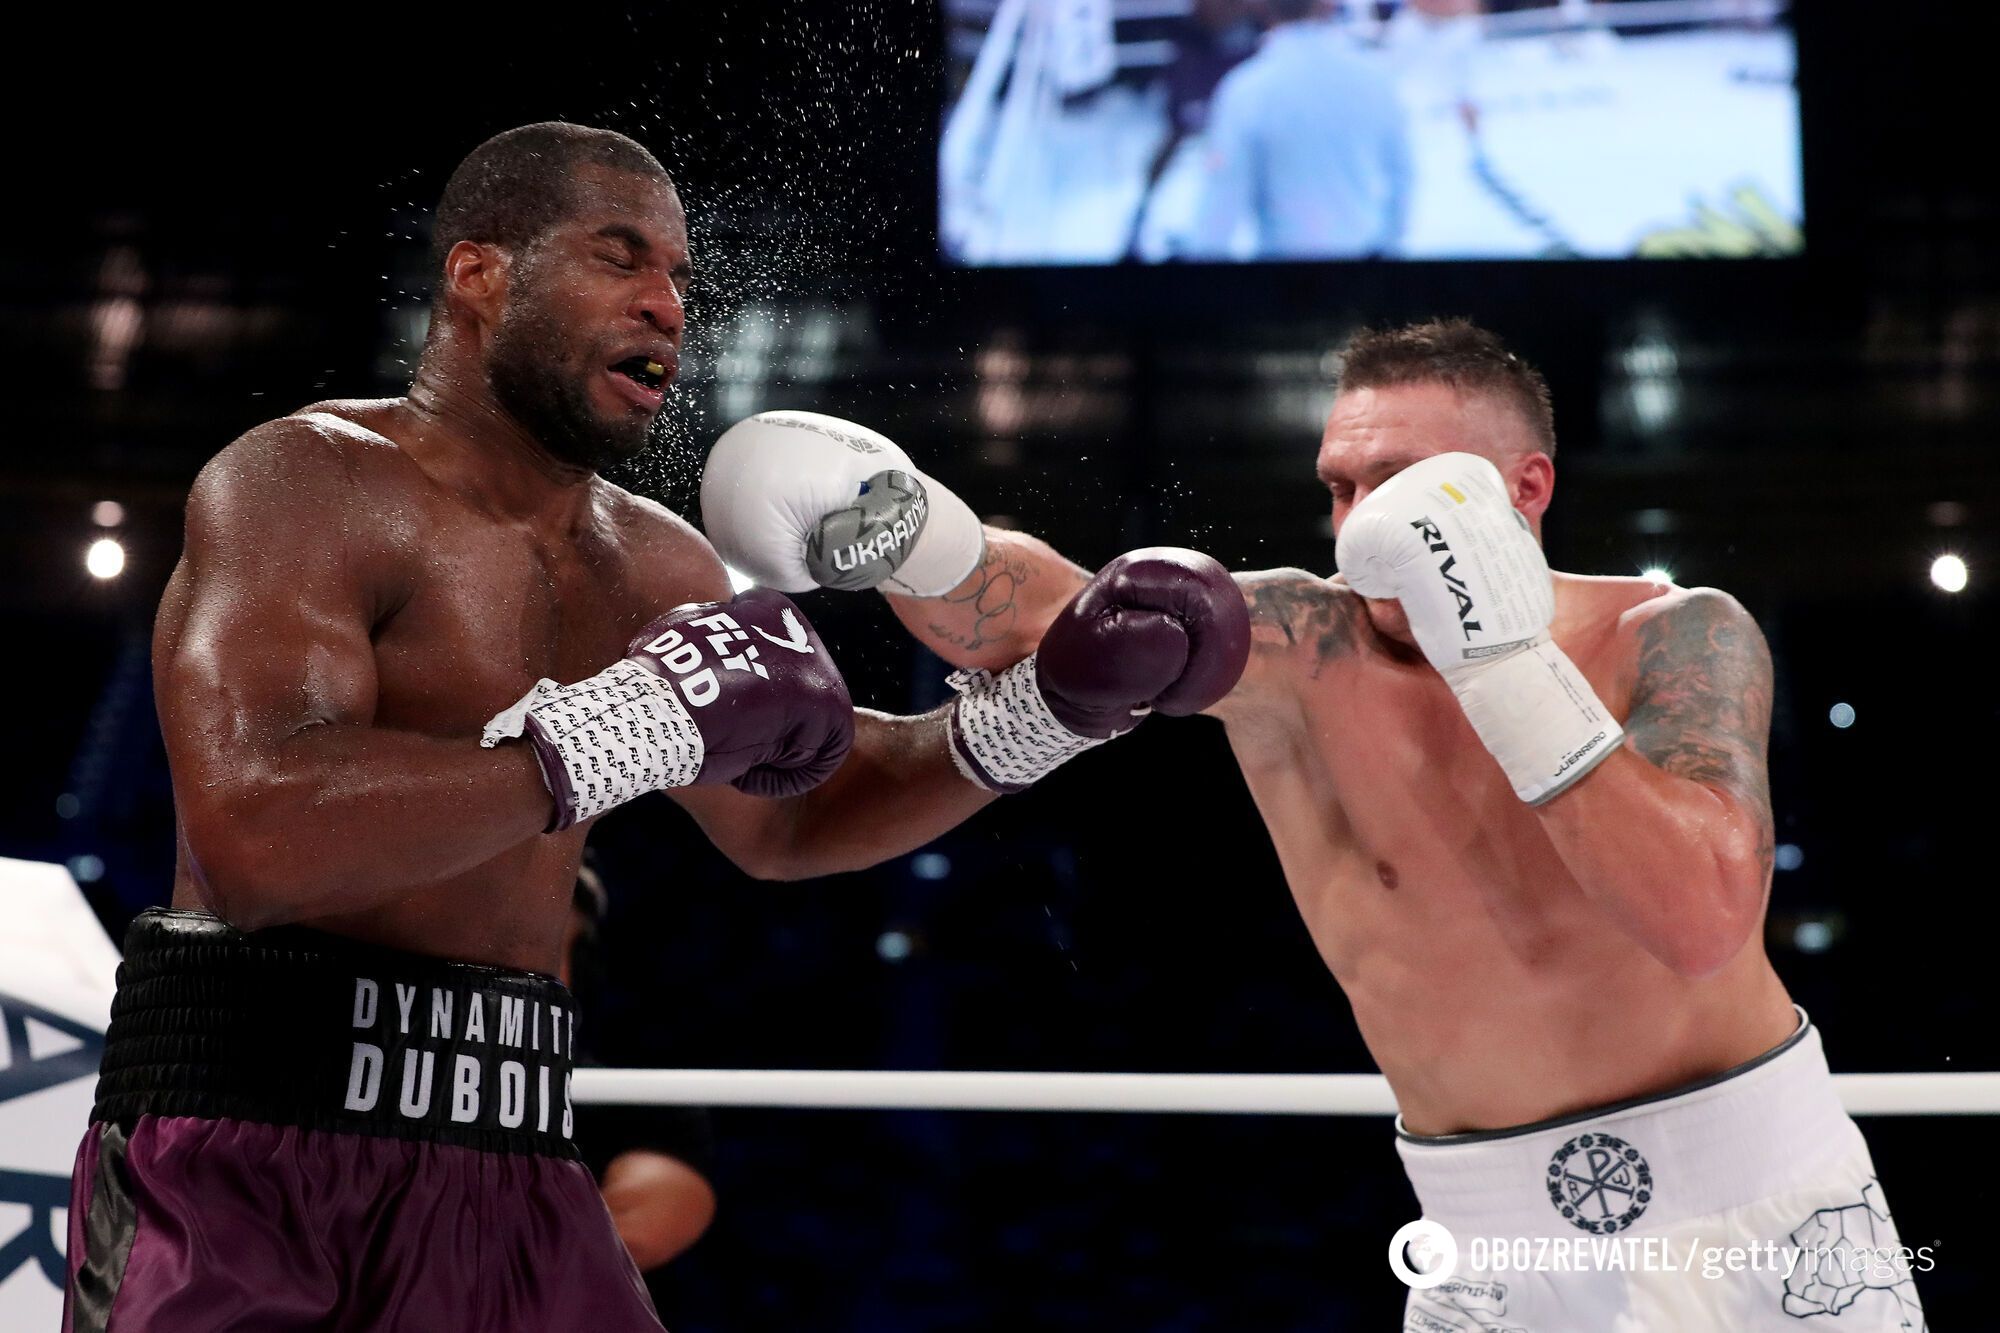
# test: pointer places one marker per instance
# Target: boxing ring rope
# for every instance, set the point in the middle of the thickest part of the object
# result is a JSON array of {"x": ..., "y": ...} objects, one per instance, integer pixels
[{"x": 1210, "y": 1094}]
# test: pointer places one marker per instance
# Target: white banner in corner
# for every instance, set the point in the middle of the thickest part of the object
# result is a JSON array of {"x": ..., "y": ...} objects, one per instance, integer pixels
[{"x": 57, "y": 974}]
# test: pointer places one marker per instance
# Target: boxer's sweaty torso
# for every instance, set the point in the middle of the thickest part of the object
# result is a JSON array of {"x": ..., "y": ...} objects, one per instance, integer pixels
[
  {"x": 1491, "y": 990},
  {"x": 471, "y": 607}
]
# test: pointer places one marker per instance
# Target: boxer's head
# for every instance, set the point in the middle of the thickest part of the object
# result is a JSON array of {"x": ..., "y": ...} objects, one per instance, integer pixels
[
  {"x": 1438, "y": 387},
  {"x": 564, "y": 251}
]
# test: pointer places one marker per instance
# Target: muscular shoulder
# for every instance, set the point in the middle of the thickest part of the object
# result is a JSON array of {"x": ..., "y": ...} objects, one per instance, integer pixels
[
  {"x": 1701, "y": 700},
  {"x": 313, "y": 490},
  {"x": 371, "y": 413},
  {"x": 1698, "y": 658},
  {"x": 664, "y": 545},
  {"x": 300, "y": 465},
  {"x": 1677, "y": 626}
]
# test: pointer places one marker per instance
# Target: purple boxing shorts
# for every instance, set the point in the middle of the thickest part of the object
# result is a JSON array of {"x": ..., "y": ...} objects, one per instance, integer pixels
[{"x": 294, "y": 1131}]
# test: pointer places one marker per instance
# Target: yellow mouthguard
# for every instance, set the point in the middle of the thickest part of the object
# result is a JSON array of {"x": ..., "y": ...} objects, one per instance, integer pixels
[{"x": 655, "y": 368}]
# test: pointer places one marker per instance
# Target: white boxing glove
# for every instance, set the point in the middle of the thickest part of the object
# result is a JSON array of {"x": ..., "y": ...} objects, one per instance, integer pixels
[
  {"x": 798, "y": 500},
  {"x": 1443, "y": 538}
]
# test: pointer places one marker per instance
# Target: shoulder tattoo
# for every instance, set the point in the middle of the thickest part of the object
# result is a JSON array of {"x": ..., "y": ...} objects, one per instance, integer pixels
[{"x": 1702, "y": 707}]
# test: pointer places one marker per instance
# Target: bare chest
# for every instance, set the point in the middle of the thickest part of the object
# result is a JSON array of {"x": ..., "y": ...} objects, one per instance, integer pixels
[
  {"x": 1408, "y": 771},
  {"x": 1397, "y": 828},
  {"x": 491, "y": 609}
]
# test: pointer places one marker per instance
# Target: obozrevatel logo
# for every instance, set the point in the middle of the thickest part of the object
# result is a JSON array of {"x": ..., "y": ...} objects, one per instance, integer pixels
[
  {"x": 1422, "y": 1254},
  {"x": 1600, "y": 1183}
]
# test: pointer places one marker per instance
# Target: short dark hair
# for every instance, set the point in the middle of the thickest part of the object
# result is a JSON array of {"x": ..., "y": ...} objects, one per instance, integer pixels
[
  {"x": 515, "y": 186},
  {"x": 1456, "y": 352}
]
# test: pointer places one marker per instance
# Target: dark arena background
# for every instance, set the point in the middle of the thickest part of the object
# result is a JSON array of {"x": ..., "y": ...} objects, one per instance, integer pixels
[{"x": 216, "y": 217}]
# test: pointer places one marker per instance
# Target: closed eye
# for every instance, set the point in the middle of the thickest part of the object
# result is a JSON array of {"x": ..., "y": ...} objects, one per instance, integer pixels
[{"x": 616, "y": 262}]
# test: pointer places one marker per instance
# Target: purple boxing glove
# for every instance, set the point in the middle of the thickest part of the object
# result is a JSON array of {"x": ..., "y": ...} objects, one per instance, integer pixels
[
  {"x": 741, "y": 692},
  {"x": 1161, "y": 629}
]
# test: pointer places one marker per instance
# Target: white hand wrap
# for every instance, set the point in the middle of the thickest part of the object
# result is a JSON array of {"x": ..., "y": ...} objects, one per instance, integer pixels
[
  {"x": 1443, "y": 539},
  {"x": 1003, "y": 736},
  {"x": 602, "y": 741},
  {"x": 772, "y": 480},
  {"x": 1538, "y": 716}
]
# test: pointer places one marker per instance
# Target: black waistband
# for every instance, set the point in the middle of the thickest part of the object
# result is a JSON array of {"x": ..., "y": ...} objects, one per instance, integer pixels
[{"x": 298, "y": 1027}]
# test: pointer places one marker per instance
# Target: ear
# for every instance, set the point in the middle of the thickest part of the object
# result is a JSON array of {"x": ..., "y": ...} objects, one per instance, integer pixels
[
  {"x": 1532, "y": 483},
  {"x": 475, "y": 276}
]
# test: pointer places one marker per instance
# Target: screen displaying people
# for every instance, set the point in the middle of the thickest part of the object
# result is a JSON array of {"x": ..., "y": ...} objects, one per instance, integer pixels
[{"x": 1302, "y": 130}]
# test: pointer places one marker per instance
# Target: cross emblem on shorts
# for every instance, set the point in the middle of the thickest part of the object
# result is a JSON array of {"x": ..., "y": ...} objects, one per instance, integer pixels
[{"x": 1599, "y": 1183}]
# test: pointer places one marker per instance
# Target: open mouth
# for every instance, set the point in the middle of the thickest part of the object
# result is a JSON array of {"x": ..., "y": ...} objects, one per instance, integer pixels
[
  {"x": 643, "y": 371},
  {"x": 641, "y": 381}
]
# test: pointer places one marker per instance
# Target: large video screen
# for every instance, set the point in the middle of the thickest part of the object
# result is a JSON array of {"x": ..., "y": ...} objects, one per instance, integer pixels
[{"x": 1154, "y": 131}]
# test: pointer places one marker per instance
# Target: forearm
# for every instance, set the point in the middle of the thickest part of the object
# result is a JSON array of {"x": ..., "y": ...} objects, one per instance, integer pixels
[
  {"x": 897, "y": 790},
  {"x": 1682, "y": 867},
  {"x": 997, "y": 615},
  {"x": 341, "y": 817}
]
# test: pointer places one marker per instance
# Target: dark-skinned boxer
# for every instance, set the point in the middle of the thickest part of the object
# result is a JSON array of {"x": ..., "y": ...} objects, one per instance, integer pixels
[{"x": 334, "y": 1093}]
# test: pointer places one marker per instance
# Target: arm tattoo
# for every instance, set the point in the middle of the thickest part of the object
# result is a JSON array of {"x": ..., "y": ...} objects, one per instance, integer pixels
[
  {"x": 1702, "y": 706},
  {"x": 992, "y": 600},
  {"x": 1305, "y": 609}
]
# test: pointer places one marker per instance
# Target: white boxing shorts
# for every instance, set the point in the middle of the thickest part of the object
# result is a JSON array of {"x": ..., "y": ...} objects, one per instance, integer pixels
[{"x": 1743, "y": 1204}]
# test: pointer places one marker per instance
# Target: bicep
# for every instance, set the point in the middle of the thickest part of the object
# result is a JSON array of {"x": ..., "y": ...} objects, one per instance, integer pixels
[
  {"x": 1701, "y": 708},
  {"x": 270, "y": 624}
]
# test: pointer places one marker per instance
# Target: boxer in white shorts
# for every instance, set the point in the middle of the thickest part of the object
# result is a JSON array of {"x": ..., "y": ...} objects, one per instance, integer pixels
[
  {"x": 1745, "y": 1203},
  {"x": 1525, "y": 815}
]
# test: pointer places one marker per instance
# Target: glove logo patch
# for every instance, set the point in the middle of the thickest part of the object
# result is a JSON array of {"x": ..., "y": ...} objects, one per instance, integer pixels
[
  {"x": 682, "y": 655},
  {"x": 887, "y": 542},
  {"x": 860, "y": 546},
  {"x": 818, "y": 425},
  {"x": 1581, "y": 752},
  {"x": 796, "y": 639},
  {"x": 1434, "y": 539}
]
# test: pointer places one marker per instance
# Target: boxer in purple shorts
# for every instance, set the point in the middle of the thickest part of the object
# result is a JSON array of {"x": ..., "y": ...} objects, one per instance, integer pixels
[
  {"x": 335, "y": 1091},
  {"x": 360, "y": 1138}
]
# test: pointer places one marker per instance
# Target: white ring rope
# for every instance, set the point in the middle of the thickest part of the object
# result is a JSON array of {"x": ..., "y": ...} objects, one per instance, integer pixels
[{"x": 1224, "y": 1094}]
